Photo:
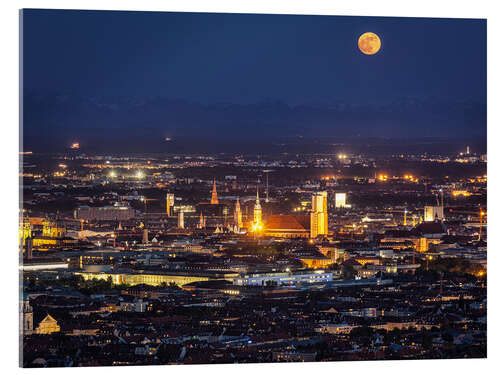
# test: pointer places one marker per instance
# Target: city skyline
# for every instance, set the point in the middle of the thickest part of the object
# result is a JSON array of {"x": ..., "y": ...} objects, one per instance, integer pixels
[{"x": 208, "y": 188}]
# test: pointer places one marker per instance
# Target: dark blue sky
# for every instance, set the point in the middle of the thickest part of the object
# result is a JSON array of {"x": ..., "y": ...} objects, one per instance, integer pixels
[{"x": 242, "y": 59}]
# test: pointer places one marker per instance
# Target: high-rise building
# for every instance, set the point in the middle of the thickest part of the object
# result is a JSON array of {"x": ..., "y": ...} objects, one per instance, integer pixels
[
  {"x": 238, "y": 218},
  {"x": 180, "y": 220},
  {"x": 432, "y": 213},
  {"x": 215, "y": 199},
  {"x": 170, "y": 204},
  {"x": 257, "y": 214},
  {"x": 340, "y": 200},
  {"x": 319, "y": 214}
]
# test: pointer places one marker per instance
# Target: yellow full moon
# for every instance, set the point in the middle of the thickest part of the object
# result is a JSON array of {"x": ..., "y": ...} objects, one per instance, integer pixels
[{"x": 369, "y": 43}]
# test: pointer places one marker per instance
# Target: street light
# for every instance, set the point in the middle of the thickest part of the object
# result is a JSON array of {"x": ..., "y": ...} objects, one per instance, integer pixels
[
  {"x": 428, "y": 257},
  {"x": 481, "y": 215}
]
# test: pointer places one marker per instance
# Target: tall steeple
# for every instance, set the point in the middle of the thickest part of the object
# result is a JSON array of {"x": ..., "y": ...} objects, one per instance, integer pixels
[
  {"x": 201, "y": 225},
  {"x": 257, "y": 213},
  {"x": 214, "y": 199},
  {"x": 237, "y": 214}
]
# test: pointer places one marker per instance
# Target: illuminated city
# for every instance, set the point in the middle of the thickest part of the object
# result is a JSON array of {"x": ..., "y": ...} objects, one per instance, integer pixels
[{"x": 145, "y": 247}]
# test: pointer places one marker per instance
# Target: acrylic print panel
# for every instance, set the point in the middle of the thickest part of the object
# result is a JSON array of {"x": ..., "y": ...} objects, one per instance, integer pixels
[{"x": 204, "y": 188}]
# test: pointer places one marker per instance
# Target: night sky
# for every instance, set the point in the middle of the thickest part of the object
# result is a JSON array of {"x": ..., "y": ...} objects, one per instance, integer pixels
[{"x": 187, "y": 74}]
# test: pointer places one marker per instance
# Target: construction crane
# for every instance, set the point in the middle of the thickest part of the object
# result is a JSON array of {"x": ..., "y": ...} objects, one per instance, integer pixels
[
  {"x": 146, "y": 200},
  {"x": 266, "y": 171},
  {"x": 479, "y": 213},
  {"x": 81, "y": 221},
  {"x": 405, "y": 212},
  {"x": 442, "y": 198}
]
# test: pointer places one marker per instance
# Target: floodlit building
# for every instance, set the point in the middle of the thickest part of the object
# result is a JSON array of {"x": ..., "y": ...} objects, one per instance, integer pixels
[
  {"x": 340, "y": 200},
  {"x": 157, "y": 278},
  {"x": 257, "y": 214},
  {"x": 53, "y": 230},
  {"x": 180, "y": 220},
  {"x": 53, "y": 234},
  {"x": 283, "y": 278},
  {"x": 319, "y": 214},
  {"x": 47, "y": 326},
  {"x": 24, "y": 231},
  {"x": 170, "y": 204},
  {"x": 136, "y": 306},
  {"x": 432, "y": 213}
]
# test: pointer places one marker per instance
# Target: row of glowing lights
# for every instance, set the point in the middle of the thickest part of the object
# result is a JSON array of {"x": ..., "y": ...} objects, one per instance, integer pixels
[
  {"x": 380, "y": 177},
  {"x": 407, "y": 177},
  {"x": 458, "y": 193},
  {"x": 112, "y": 174},
  {"x": 139, "y": 174}
]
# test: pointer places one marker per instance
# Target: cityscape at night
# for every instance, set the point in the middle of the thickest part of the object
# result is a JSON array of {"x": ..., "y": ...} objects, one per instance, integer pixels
[{"x": 235, "y": 188}]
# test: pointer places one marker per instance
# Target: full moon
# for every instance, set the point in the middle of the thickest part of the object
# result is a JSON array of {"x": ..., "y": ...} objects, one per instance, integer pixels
[{"x": 369, "y": 43}]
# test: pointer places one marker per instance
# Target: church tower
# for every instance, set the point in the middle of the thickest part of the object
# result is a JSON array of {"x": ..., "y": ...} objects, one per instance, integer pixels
[
  {"x": 201, "y": 224},
  {"x": 257, "y": 214},
  {"x": 214, "y": 199},
  {"x": 180, "y": 220},
  {"x": 237, "y": 215}
]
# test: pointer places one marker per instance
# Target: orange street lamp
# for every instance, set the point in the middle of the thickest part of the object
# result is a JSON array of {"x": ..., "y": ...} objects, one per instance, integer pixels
[{"x": 481, "y": 214}]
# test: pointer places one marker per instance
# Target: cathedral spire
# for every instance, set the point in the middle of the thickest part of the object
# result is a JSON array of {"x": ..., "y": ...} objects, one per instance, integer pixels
[
  {"x": 214, "y": 199},
  {"x": 201, "y": 225},
  {"x": 257, "y": 214}
]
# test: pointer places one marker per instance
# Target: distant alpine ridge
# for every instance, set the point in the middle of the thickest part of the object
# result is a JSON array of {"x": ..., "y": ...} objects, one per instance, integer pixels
[{"x": 49, "y": 119}]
